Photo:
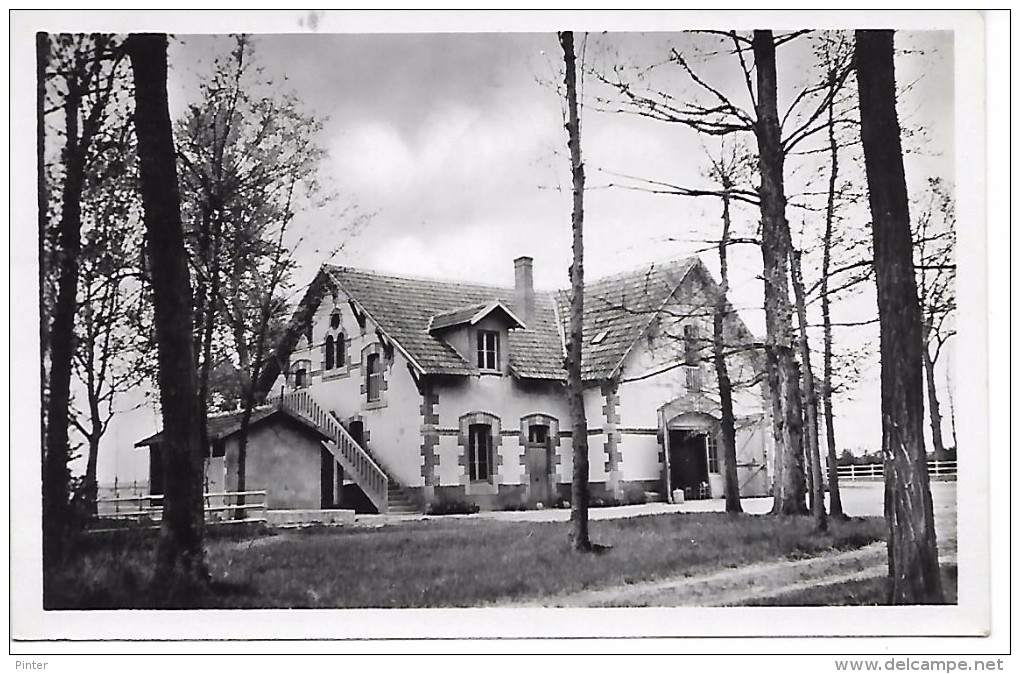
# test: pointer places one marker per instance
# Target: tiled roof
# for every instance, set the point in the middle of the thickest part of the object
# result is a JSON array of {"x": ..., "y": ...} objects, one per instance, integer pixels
[
  {"x": 404, "y": 307},
  {"x": 622, "y": 306},
  {"x": 472, "y": 314},
  {"x": 223, "y": 425}
]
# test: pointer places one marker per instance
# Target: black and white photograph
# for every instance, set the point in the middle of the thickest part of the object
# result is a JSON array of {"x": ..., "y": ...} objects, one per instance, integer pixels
[{"x": 346, "y": 327}]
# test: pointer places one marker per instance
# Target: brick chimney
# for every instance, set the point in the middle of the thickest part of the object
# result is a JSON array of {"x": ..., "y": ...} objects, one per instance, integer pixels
[{"x": 524, "y": 289}]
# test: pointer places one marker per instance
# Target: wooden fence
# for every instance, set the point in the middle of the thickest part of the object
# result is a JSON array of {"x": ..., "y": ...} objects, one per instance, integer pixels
[
  {"x": 217, "y": 506},
  {"x": 937, "y": 470}
]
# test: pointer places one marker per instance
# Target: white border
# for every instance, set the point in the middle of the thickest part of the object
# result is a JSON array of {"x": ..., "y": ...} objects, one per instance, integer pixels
[{"x": 975, "y": 488}]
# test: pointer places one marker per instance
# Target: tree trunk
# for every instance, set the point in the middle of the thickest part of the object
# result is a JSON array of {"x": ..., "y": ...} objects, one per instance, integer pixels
[
  {"x": 181, "y": 566},
  {"x": 810, "y": 399},
  {"x": 726, "y": 423},
  {"x": 783, "y": 375},
  {"x": 247, "y": 391},
  {"x": 913, "y": 554},
  {"x": 90, "y": 486},
  {"x": 934, "y": 411},
  {"x": 56, "y": 476},
  {"x": 575, "y": 386},
  {"x": 210, "y": 292},
  {"x": 835, "y": 500}
]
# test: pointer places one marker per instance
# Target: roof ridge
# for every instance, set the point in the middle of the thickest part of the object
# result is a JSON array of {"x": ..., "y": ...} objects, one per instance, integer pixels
[
  {"x": 224, "y": 413},
  {"x": 423, "y": 279},
  {"x": 660, "y": 264},
  {"x": 678, "y": 263}
]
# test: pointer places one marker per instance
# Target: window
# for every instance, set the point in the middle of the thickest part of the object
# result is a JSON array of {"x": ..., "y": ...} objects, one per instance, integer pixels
[
  {"x": 538, "y": 435},
  {"x": 693, "y": 378},
  {"x": 217, "y": 448},
  {"x": 691, "y": 356},
  {"x": 334, "y": 320},
  {"x": 329, "y": 352},
  {"x": 713, "y": 453},
  {"x": 301, "y": 369},
  {"x": 373, "y": 376},
  {"x": 488, "y": 350},
  {"x": 479, "y": 452},
  {"x": 341, "y": 350}
]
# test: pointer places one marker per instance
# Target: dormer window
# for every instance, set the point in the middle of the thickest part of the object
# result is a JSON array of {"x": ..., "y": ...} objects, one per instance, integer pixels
[{"x": 488, "y": 350}]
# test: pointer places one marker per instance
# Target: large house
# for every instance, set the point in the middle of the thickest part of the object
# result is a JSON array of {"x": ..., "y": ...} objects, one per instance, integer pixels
[{"x": 415, "y": 392}]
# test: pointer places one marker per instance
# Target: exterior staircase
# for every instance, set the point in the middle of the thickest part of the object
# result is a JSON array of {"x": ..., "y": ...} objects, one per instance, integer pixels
[
  {"x": 399, "y": 503},
  {"x": 358, "y": 464}
]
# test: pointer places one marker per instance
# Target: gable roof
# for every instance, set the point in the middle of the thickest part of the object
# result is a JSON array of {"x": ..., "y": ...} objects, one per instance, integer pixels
[
  {"x": 622, "y": 306},
  {"x": 222, "y": 426},
  {"x": 472, "y": 315},
  {"x": 403, "y": 308},
  {"x": 408, "y": 310}
]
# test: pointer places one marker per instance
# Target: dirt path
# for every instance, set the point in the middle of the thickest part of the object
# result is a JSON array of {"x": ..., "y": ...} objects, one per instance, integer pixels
[
  {"x": 738, "y": 585},
  {"x": 744, "y": 584}
]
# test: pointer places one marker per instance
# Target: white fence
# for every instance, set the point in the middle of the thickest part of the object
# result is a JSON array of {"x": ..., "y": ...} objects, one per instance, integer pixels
[
  {"x": 937, "y": 470},
  {"x": 218, "y": 506}
]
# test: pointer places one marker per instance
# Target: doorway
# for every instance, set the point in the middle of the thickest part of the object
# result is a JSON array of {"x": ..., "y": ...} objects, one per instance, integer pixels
[
  {"x": 331, "y": 478},
  {"x": 356, "y": 429},
  {"x": 538, "y": 450},
  {"x": 688, "y": 462}
]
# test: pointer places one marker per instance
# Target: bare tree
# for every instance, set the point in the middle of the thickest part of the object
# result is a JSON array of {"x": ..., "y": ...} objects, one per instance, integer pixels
[
  {"x": 181, "y": 566},
  {"x": 810, "y": 397},
  {"x": 727, "y": 170},
  {"x": 784, "y": 378},
  {"x": 111, "y": 332},
  {"x": 250, "y": 157},
  {"x": 81, "y": 79},
  {"x": 913, "y": 554},
  {"x": 575, "y": 386},
  {"x": 777, "y": 138},
  {"x": 934, "y": 247}
]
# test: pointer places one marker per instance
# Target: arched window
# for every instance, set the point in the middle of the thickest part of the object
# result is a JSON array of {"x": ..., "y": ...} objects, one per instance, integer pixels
[
  {"x": 373, "y": 377},
  {"x": 329, "y": 352},
  {"x": 334, "y": 320},
  {"x": 479, "y": 452},
  {"x": 341, "y": 350}
]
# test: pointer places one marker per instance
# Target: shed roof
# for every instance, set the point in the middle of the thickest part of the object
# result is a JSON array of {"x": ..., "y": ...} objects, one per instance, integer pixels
[{"x": 221, "y": 426}]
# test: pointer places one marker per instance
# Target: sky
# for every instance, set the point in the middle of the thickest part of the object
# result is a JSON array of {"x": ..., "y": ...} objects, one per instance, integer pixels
[{"x": 453, "y": 144}]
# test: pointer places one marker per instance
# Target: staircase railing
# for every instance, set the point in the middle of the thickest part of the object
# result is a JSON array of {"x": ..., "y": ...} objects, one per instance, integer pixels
[{"x": 356, "y": 462}]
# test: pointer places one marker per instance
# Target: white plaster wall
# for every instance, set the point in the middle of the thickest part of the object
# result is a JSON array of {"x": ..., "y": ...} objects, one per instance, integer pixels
[
  {"x": 448, "y": 470},
  {"x": 393, "y": 430},
  {"x": 503, "y": 397},
  {"x": 640, "y": 457}
]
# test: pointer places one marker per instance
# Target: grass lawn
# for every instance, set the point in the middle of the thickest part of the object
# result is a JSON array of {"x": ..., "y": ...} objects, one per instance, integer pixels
[
  {"x": 462, "y": 562},
  {"x": 870, "y": 592}
]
